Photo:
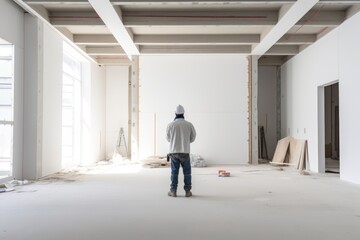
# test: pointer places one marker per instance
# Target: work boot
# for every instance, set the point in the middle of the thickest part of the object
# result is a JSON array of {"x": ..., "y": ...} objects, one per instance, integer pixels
[
  {"x": 172, "y": 194},
  {"x": 188, "y": 194}
]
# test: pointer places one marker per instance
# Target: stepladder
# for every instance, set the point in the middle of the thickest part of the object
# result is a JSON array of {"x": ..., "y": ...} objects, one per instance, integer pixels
[{"x": 121, "y": 144}]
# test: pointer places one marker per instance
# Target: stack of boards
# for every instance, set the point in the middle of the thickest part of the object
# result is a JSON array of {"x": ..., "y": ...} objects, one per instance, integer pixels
[{"x": 291, "y": 151}]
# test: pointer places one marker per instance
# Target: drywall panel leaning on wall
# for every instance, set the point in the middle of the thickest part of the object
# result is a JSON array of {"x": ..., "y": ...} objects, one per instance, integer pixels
[{"x": 214, "y": 92}]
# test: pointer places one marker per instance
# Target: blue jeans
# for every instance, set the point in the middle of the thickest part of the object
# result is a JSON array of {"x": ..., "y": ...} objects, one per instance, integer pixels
[{"x": 182, "y": 159}]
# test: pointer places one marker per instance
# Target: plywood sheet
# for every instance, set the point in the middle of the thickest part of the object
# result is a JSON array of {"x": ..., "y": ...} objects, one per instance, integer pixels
[
  {"x": 296, "y": 150},
  {"x": 291, "y": 151},
  {"x": 303, "y": 160},
  {"x": 281, "y": 150}
]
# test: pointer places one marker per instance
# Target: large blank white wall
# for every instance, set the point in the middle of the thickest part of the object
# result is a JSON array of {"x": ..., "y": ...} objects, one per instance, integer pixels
[
  {"x": 214, "y": 93},
  {"x": 333, "y": 58},
  {"x": 117, "y": 87}
]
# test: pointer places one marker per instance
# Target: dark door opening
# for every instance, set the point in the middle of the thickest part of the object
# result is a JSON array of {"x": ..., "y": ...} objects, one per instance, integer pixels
[{"x": 332, "y": 149}]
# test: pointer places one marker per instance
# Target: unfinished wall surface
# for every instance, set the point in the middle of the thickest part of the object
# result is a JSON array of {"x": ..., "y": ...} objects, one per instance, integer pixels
[
  {"x": 267, "y": 105},
  {"x": 117, "y": 87},
  {"x": 333, "y": 58},
  {"x": 214, "y": 92},
  {"x": 12, "y": 30}
]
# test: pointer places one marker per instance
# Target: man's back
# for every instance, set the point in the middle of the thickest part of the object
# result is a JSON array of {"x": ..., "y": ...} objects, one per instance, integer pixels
[{"x": 180, "y": 133}]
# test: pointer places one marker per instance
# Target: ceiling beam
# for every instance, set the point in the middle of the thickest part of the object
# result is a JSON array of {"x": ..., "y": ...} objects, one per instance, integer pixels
[
  {"x": 283, "y": 50},
  {"x": 137, "y": 2},
  {"x": 290, "y": 18},
  {"x": 239, "y": 49},
  {"x": 239, "y": 39},
  {"x": 56, "y": 2},
  {"x": 339, "y": 1},
  {"x": 75, "y": 18},
  {"x": 297, "y": 39},
  {"x": 108, "y": 60},
  {"x": 113, "y": 21},
  {"x": 116, "y": 50},
  {"x": 127, "y": 2},
  {"x": 199, "y": 18},
  {"x": 179, "y": 18},
  {"x": 320, "y": 18},
  {"x": 95, "y": 39},
  {"x": 272, "y": 60},
  {"x": 153, "y": 2}
]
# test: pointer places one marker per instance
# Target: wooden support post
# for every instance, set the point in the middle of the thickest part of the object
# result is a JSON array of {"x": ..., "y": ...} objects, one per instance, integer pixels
[
  {"x": 253, "y": 112},
  {"x": 134, "y": 108}
]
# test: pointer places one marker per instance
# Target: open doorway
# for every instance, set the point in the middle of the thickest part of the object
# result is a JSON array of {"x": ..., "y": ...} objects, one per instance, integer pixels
[
  {"x": 332, "y": 150},
  {"x": 268, "y": 111},
  {"x": 6, "y": 108}
]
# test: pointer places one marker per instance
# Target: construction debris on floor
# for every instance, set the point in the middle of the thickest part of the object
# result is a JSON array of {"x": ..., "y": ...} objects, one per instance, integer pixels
[
  {"x": 155, "y": 162},
  {"x": 223, "y": 173},
  {"x": 197, "y": 161},
  {"x": 291, "y": 151},
  {"x": 9, "y": 186},
  {"x": 162, "y": 161}
]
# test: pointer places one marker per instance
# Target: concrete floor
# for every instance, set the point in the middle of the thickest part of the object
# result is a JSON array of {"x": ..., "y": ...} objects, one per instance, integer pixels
[{"x": 256, "y": 202}]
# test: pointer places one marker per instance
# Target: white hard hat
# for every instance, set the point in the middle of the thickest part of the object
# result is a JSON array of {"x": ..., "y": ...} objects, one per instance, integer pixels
[{"x": 179, "y": 110}]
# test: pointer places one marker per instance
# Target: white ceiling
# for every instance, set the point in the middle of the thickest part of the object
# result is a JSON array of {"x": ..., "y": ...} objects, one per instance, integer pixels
[{"x": 185, "y": 26}]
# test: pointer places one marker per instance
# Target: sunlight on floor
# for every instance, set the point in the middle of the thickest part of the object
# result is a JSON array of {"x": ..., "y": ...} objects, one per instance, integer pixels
[{"x": 108, "y": 167}]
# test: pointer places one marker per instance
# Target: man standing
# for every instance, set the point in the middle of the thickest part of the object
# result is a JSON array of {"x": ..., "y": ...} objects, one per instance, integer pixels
[{"x": 180, "y": 133}]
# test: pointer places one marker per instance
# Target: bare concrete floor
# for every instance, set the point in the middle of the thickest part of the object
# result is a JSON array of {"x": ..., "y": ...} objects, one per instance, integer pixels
[{"x": 256, "y": 202}]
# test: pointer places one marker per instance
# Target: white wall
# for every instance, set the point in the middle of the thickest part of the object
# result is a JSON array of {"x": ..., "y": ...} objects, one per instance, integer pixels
[
  {"x": 98, "y": 114},
  {"x": 41, "y": 115},
  {"x": 214, "y": 93},
  {"x": 301, "y": 76},
  {"x": 38, "y": 105},
  {"x": 52, "y": 101},
  {"x": 32, "y": 82},
  {"x": 349, "y": 98},
  {"x": 12, "y": 30},
  {"x": 267, "y": 105},
  {"x": 334, "y": 57},
  {"x": 117, "y": 86},
  {"x": 93, "y": 107}
]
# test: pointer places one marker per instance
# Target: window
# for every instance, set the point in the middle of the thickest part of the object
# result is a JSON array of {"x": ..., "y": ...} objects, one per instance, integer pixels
[
  {"x": 71, "y": 110},
  {"x": 6, "y": 109}
]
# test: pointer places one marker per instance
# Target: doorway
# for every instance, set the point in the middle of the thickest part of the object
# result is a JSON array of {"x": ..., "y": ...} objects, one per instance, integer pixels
[
  {"x": 332, "y": 149},
  {"x": 6, "y": 109},
  {"x": 269, "y": 112}
]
